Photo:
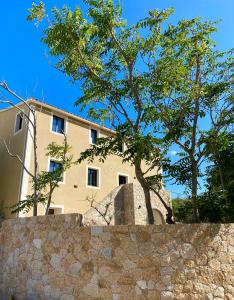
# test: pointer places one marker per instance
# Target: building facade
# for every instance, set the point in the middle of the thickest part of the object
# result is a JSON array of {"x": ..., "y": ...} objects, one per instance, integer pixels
[{"x": 82, "y": 181}]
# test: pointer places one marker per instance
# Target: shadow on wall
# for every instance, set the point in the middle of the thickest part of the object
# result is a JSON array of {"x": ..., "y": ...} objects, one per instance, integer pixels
[
  {"x": 126, "y": 206},
  {"x": 119, "y": 207},
  {"x": 158, "y": 217}
]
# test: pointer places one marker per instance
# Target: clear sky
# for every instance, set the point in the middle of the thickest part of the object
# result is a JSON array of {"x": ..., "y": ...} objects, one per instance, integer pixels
[{"x": 28, "y": 70}]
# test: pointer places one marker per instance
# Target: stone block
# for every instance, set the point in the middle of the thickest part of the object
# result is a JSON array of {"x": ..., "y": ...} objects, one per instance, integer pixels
[
  {"x": 106, "y": 252},
  {"x": 167, "y": 295},
  {"x": 74, "y": 269},
  {"x": 116, "y": 297},
  {"x": 32, "y": 297},
  {"x": 142, "y": 284},
  {"x": 96, "y": 230},
  {"x": 67, "y": 297}
]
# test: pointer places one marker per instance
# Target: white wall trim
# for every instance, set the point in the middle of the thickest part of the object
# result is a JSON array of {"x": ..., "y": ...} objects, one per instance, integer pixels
[
  {"x": 27, "y": 161},
  {"x": 56, "y": 206},
  {"x": 99, "y": 177}
]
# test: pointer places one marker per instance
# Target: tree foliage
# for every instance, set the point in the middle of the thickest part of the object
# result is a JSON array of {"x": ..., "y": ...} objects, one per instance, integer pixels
[
  {"x": 218, "y": 201},
  {"x": 103, "y": 53},
  {"x": 48, "y": 181},
  {"x": 183, "y": 210},
  {"x": 152, "y": 83},
  {"x": 216, "y": 205},
  {"x": 194, "y": 82}
]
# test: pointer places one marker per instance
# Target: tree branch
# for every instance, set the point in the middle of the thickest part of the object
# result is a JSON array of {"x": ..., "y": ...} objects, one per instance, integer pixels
[{"x": 17, "y": 157}]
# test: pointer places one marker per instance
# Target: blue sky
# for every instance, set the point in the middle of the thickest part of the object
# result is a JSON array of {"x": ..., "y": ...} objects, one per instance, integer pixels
[{"x": 27, "y": 68}]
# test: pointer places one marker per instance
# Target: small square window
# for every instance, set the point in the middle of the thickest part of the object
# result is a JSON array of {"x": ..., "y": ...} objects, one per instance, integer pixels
[
  {"x": 123, "y": 179},
  {"x": 93, "y": 136},
  {"x": 93, "y": 177},
  {"x": 19, "y": 122},
  {"x": 51, "y": 211},
  {"x": 55, "y": 211},
  {"x": 58, "y": 124}
]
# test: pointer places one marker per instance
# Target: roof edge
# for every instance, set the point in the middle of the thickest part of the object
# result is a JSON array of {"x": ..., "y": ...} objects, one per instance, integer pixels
[{"x": 61, "y": 111}]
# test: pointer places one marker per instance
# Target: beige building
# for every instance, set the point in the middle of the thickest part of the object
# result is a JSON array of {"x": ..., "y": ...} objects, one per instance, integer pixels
[{"x": 81, "y": 181}]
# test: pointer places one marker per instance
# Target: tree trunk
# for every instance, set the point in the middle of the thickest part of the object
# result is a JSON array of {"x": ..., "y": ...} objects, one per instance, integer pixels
[
  {"x": 194, "y": 193},
  {"x": 35, "y": 210},
  {"x": 217, "y": 159},
  {"x": 52, "y": 187},
  {"x": 146, "y": 191},
  {"x": 169, "y": 216},
  {"x": 148, "y": 205},
  {"x": 48, "y": 205},
  {"x": 35, "y": 200}
]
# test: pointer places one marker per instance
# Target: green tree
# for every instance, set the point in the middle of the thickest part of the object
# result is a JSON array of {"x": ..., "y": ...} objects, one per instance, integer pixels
[
  {"x": 149, "y": 81},
  {"x": 48, "y": 181},
  {"x": 197, "y": 83},
  {"x": 217, "y": 203},
  {"x": 183, "y": 210},
  {"x": 103, "y": 53}
]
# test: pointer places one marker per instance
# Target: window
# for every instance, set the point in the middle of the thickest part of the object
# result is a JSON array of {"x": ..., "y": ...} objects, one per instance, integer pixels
[
  {"x": 123, "y": 179},
  {"x": 93, "y": 136},
  {"x": 54, "y": 166},
  {"x": 93, "y": 177},
  {"x": 58, "y": 124},
  {"x": 19, "y": 122},
  {"x": 55, "y": 210},
  {"x": 51, "y": 211}
]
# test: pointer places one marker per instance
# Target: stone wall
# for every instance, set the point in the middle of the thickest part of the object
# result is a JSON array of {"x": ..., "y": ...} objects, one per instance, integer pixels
[
  {"x": 140, "y": 208},
  {"x": 54, "y": 258},
  {"x": 114, "y": 213},
  {"x": 126, "y": 205}
]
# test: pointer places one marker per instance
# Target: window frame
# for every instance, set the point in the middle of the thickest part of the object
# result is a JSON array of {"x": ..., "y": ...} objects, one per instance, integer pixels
[
  {"x": 16, "y": 117},
  {"x": 48, "y": 168},
  {"x": 54, "y": 206},
  {"x": 90, "y": 134},
  {"x": 98, "y": 177},
  {"x": 124, "y": 175},
  {"x": 51, "y": 124}
]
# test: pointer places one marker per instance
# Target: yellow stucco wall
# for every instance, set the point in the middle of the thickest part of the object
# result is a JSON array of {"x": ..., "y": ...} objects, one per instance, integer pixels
[
  {"x": 78, "y": 134},
  {"x": 71, "y": 195},
  {"x": 10, "y": 168}
]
